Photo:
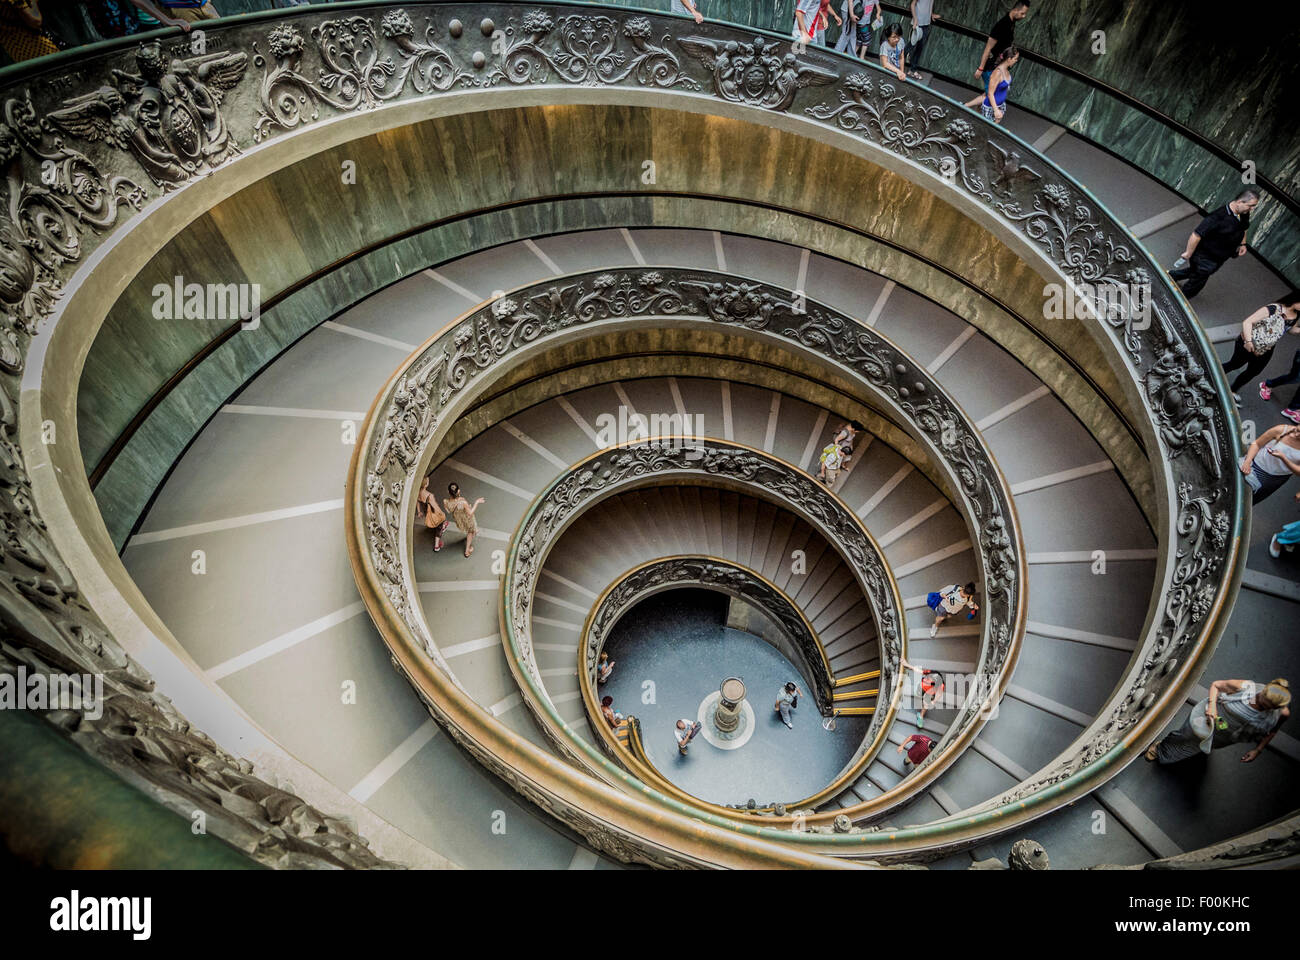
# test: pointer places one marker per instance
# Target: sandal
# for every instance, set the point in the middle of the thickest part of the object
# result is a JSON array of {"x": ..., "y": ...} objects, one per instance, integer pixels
[{"x": 468, "y": 551}]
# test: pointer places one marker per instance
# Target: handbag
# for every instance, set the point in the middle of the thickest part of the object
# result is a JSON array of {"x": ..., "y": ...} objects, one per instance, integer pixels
[{"x": 433, "y": 515}]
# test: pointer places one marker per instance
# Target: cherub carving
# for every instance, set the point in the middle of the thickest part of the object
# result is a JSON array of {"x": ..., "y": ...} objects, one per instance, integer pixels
[
  {"x": 752, "y": 73},
  {"x": 168, "y": 114}
]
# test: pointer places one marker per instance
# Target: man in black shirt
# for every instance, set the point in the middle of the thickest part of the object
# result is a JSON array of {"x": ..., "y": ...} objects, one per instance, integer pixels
[
  {"x": 1216, "y": 240},
  {"x": 1001, "y": 36}
]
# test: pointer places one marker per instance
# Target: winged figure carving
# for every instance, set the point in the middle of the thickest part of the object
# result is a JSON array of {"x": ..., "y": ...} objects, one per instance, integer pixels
[
  {"x": 1008, "y": 170},
  {"x": 753, "y": 73},
  {"x": 168, "y": 114}
]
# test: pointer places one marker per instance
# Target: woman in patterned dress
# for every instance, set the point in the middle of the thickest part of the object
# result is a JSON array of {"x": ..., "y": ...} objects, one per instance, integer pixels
[{"x": 461, "y": 512}]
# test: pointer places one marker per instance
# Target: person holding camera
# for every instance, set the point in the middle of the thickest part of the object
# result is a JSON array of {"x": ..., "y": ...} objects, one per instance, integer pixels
[
  {"x": 951, "y": 599},
  {"x": 1234, "y": 712},
  {"x": 786, "y": 701}
]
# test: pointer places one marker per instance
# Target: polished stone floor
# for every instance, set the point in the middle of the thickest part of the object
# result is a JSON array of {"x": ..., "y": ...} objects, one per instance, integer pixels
[{"x": 678, "y": 642}]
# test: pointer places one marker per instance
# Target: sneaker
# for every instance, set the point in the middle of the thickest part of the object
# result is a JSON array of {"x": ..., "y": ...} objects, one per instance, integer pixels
[
  {"x": 920, "y": 722},
  {"x": 1293, "y": 415},
  {"x": 1274, "y": 548},
  {"x": 1265, "y": 391},
  {"x": 437, "y": 544},
  {"x": 1236, "y": 398},
  {"x": 934, "y": 629},
  {"x": 788, "y": 724}
]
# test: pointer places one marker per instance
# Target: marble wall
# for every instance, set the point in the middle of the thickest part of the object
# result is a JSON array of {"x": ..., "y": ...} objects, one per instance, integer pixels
[
  {"x": 1231, "y": 81},
  {"x": 1170, "y": 58}
]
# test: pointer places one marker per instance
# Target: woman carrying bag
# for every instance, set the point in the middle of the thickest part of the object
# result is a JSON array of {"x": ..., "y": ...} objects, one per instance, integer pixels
[
  {"x": 1253, "y": 348},
  {"x": 855, "y": 37},
  {"x": 427, "y": 509},
  {"x": 1236, "y": 711}
]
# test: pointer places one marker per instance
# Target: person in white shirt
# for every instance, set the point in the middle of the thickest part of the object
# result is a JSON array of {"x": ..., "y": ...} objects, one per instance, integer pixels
[
  {"x": 685, "y": 733},
  {"x": 787, "y": 699},
  {"x": 832, "y": 461},
  {"x": 923, "y": 17},
  {"x": 951, "y": 599}
]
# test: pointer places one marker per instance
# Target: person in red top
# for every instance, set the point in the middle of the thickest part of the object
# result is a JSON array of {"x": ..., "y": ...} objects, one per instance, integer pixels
[
  {"x": 928, "y": 688},
  {"x": 918, "y": 747}
]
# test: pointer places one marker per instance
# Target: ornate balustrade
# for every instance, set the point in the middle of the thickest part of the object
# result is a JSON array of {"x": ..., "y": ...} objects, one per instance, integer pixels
[
  {"x": 92, "y": 143},
  {"x": 449, "y": 372},
  {"x": 716, "y": 573},
  {"x": 711, "y": 461}
]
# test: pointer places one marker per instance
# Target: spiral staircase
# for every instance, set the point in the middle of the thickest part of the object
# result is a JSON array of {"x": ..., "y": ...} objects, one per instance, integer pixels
[{"x": 275, "y": 582}]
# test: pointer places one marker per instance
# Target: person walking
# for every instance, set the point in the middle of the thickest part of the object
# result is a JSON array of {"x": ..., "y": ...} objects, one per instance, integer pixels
[
  {"x": 847, "y": 436},
  {"x": 1236, "y": 711},
  {"x": 1253, "y": 348},
  {"x": 461, "y": 512},
  {"x": 892, "y": 51},
  {"x": 427, "y": 509},
  {"x": 923, "y": 17},
  {"x": 787, "y": 700},
  {"x": 604, "y": 668},
  {"x": 23, "y": 33},
  {"x": 191, "y": 10},
  {"x": 918, "y": 747},
  {"x": 927, "y": 688},
  {"x": 1216, "y": 240},
  {"x": 685, "y": 733},
  {"x": 693, "y": 11},
  {"x": 810, "y": 20},
  {"x": 951, "y": 599},
  {"x": 1271, "y": 460},
  {"x": 1000, "y": 37},
  {"x": 993, "y": 106},
  {"x": 1286, "y": 538},
  {"x": 832, "y": 460},
  {"x": 857, "y": 17}
]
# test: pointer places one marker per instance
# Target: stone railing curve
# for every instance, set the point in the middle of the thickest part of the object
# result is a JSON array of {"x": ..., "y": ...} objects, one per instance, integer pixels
[
  {"x": 707, "y": 461},
  {"x": 445, "y": 375},
  {"x": 81, "y": 166},
  {"x": 726, "y": 576}
]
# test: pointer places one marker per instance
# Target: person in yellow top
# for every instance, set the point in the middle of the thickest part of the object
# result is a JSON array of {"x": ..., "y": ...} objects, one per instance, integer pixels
[{"x": 20, "y": 31}]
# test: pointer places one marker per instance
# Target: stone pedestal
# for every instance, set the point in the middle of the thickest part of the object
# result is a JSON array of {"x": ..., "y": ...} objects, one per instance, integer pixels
[{"x": 732, "y": 695}]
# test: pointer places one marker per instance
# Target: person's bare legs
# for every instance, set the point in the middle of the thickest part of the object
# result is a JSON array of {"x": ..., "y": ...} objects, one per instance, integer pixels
[{"x": 469, "y": 542}]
